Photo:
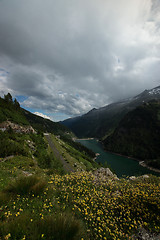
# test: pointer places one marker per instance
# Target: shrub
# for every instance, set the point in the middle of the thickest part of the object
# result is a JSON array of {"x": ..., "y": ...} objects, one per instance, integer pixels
[
  {"x": 24, "y": 185},
  {"x": 23, "y": 228},
  {"x": 58, "y": 227},
  {"x": 61, "y": 227},
  {"x": 3, "y": 198},
  {"x": 44, "y": 160}
]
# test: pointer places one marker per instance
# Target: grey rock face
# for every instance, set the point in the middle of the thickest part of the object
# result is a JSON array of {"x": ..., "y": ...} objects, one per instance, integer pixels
[
  {"x": 102, "y": 175},
  {"x": 145, "y": 235}
]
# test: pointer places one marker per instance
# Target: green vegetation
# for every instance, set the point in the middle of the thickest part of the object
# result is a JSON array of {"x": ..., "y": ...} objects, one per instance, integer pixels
[
  {"x": 71, "y": 206},
  {"x": 34, "y": 144},
  {"x": 26, "y": 197},
  {"x": 41, "y": 153},
  {"x": 44, "y": 125},
  {"x": 44, "y": 202},
  {"x": 10, "y": 110},
  {"x": 80, "y": 160},
  {"x": 138, "y": 134},
  {"x": 16, "y": 166},
  {"x": 26, "y": 185},
  {"x": 59, "y": 226},
  {"x": 155, "y": 163},
  {"x": 13, "y": 144},
  {"x": 28, "y": 145},
  {"x": 99, "y": 123},
  {"x": 76, "y": 145},
  {"x": 74, "y": 207}
]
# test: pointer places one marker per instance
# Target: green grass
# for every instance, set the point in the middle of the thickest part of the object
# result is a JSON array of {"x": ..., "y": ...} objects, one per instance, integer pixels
[
  {"x": 14, "y": 167},
  {"x": 73, "y": 207},
  {"x": 73, "y": 156},
  {"x": 56, "y": 165},
  {"x": 9, "y": 112},
  {"x": 47, "y": 205},
  {"x": 57, "y": 226},
  {"x": 32, "y": 207},
  {"x": 26, "y": 185},
  {"x": 13, "y": 144}
]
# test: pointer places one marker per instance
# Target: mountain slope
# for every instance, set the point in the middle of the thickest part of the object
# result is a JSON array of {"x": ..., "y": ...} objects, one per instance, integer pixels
[
  {"x": 138, "y": 134},
  {"x": 44, "y": 125},
  {"x": 11, "y": 111},
  {"x": 44, "y": 203},
  {"x": 102, "y": 121},
  {"x": 19, "y": 138}
]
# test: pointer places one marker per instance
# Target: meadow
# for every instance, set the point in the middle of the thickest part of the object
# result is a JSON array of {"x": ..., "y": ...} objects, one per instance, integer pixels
[{"x": 74, "y": 206}]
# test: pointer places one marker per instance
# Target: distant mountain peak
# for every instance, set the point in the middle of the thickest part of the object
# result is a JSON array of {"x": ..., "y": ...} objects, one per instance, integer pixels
[
  {"x": 154, "y": 91},
  {"x": 99, "y": 122},
  {"x": 92, "y": 110}
]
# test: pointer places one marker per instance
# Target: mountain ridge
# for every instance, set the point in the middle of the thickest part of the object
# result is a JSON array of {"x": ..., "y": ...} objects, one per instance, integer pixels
[
  {"x": 100, "y": 122},
  {"x": 10, "y": 110},
  {"x": 21, "y": 132},
  {"x": 137, "y": 134}
]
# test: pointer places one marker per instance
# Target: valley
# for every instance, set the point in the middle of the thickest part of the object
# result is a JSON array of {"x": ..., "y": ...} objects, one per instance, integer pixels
[
  {"x": 99, "y": 123},
  {"x": 122, "y": 166},
  {"x": 52, "y": 188},
  {"x": 79, "y": 120},
  {"x": 130, "y": 127}
]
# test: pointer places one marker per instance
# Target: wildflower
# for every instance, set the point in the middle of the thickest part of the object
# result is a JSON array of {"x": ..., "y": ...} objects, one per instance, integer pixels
[{"x": 7, "y": 236}]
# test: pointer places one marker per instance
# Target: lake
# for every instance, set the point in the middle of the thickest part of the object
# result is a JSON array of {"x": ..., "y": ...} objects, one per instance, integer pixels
[{"x": 121, "y": 165}]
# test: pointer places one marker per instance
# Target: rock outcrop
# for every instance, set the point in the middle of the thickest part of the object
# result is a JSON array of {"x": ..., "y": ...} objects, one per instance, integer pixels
[
  {"x": 143, "y": 234},
  {"x": 102, "y": 175},
  {"x": 16, "y": 127}
]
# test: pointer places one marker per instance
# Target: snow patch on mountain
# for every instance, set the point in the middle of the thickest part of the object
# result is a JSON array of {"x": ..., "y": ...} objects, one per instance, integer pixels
[{"x": 154, "y": 91}]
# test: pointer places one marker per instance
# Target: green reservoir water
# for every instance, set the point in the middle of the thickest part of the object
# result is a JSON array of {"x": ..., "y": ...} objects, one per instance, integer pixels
[{"x": 122, "y": 166}]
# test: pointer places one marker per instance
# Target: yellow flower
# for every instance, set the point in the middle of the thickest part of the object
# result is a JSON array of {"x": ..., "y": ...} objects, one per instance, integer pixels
[{"x": 7, "y": 236}]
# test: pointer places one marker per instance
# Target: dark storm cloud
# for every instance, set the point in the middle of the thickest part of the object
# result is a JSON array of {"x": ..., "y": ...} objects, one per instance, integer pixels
[{"x": 71, "y": 56}]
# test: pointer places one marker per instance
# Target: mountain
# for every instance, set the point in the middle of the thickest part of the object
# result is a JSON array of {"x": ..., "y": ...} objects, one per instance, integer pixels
[
  {"x": 43, "y": 202},
  {"x": 11, "y": 111},
  {"x": 43, "y": 124},
  {"x": 101, "y": 122},
  {"x": 27, "y": 135},
  {"x": 138, "y": 134},
  {"x": 13, "y": 117}
]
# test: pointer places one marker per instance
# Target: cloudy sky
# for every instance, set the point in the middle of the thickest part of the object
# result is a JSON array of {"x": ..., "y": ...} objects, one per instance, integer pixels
[{"x": 62, "y": 58}]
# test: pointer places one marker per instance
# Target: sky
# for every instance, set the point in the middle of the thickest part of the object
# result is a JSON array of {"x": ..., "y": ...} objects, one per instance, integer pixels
[{"x": 61, "y": 58}]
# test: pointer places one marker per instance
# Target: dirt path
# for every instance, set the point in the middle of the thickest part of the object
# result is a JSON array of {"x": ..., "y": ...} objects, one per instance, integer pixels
[{"x": 67, "y": 167}]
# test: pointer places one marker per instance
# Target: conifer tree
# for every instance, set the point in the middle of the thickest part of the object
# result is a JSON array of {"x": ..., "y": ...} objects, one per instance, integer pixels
[
  {"x": 8, "y": 98},
  {"x": 16, "y": 104}
]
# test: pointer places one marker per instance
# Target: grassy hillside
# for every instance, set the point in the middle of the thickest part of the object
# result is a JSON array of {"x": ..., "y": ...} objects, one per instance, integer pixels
[
  {"x": 138, "y": 134},
  {"x": 44, "y": 125},
  {"x": 74, "y": 207},
  {"x": 43, "y": 202},
  {"x": 35, "y": 145},
  {"x": 97, "y": 122},
  {"x": 10, "y": 111},
  {"x": 40, "y": 200}
]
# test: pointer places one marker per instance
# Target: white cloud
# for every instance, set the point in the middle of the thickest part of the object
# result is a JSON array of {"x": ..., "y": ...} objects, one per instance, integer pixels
[{"x": 42, "y": 115}]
